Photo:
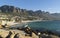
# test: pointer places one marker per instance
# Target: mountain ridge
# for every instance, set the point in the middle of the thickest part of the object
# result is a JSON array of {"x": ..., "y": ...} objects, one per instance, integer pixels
[{"x": 29, "y": 13}]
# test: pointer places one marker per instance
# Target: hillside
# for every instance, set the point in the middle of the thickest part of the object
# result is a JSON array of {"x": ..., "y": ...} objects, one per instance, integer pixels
[{"x": 28, "y": 14}]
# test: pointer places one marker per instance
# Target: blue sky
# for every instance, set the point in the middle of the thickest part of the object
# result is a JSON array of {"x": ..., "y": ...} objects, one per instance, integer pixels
[{"x": 52, "y": 6}]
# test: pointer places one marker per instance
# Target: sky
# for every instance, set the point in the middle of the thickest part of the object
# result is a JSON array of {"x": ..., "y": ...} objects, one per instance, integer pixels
[{"x": 52, "y": 6}]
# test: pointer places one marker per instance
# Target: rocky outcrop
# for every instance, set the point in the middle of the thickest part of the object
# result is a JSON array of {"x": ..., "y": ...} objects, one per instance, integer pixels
[
  {"x": 26, "y": 32},
  {"x": 15, "y": 34},
  {"x": 12, "y": 33},
  {"x": 9, "y": 35}
]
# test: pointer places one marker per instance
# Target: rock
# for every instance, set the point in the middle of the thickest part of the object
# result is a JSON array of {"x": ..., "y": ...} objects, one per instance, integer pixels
[
  {"x": 9, "y": 35},
  {"x": 34, "y": 35},
  {"x": 1, "y": 37},
  {"x": 21, "y": 34},
  {"x": 17, "y": 35},
  {"x": 3, "y": 33},
  {"x": 54, "y": 36},
  {"x": 1, "y": 26}
]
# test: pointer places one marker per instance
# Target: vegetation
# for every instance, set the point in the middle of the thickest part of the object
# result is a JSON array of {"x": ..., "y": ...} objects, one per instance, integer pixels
[{"x": 12, "y": 11}]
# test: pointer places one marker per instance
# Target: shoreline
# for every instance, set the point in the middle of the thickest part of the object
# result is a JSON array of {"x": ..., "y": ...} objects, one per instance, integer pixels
[
  {"x": 36, "y": 21},
  {"x": 31, "y": 21}
]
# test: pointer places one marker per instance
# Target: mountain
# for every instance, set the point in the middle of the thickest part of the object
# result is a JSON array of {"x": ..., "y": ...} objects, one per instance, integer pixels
[
  {"x": 9, "y": 9},
  {"x": 29, "y": 14}
]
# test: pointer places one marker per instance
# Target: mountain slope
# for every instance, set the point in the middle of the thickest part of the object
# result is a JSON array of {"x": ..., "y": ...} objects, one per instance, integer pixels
[{"x": 15, "y": 11}]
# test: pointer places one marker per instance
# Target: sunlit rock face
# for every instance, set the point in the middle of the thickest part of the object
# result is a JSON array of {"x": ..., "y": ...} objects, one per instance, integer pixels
[
  {"x": 21, "y": 34},
  {"x": 15, "y": 34}
]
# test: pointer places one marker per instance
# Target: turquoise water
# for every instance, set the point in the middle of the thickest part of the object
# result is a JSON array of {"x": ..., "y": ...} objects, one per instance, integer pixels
[{"x": 49, "y": 25}]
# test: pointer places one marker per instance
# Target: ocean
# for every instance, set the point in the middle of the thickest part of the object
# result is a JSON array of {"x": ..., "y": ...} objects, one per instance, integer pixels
[{"x": 53, "y": 26}]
